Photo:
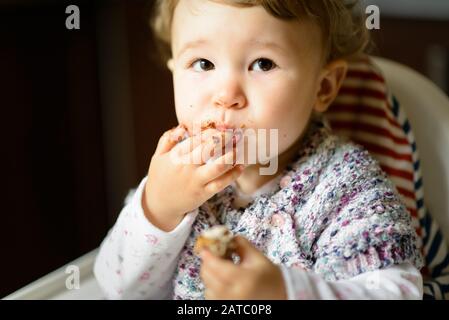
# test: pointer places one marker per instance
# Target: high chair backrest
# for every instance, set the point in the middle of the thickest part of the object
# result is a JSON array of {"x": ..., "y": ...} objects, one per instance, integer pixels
[{"x": 427, "y": 108}]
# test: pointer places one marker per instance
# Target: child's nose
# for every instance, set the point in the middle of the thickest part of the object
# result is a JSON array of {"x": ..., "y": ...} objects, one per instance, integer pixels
[{"x": 230, "y": 96}]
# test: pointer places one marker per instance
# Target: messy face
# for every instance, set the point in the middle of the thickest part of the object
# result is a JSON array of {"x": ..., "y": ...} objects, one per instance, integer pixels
[{"x": 242, "y": 67}]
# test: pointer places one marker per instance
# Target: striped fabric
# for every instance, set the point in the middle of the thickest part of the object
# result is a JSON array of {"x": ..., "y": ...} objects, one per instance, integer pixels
[{"x": 368, "y": 114}]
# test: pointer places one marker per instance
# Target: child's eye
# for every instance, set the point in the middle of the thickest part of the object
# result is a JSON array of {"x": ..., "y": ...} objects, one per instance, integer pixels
[
  {"x": 264, "y": 64},
  {"x": 203, "y": 64}
]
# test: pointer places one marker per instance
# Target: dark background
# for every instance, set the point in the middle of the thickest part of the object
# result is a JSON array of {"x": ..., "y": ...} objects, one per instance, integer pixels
[{"x": 82, "y": 111}]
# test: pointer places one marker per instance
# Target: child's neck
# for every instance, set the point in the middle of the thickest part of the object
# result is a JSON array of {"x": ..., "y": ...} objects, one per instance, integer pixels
[{"x": 251, "y": 180}]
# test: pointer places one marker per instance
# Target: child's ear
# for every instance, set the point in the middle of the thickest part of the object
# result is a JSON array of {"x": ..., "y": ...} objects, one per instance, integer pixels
[
  {"x": 170, "y": 64},
  {"x": 330, "y": 81}
]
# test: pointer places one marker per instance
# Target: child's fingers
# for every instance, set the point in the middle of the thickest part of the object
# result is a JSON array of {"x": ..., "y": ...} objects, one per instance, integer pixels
[
  {"x": 182, "y": 147},
  {"x": 210, "y": 279},
  {"x": 213, "y": 169},
  {"x": 193, "y": 142},
  {"x": 178, "y": 133},
  {"x": 209, "y": 145},
  {"x": 222, "y": 269},
  {"x": 211, "y": 148},
  {"x": 171, "y": 138},
  {"x": 223, "y": 181},
  {"x": 165, "y": 143},
  {"x": 203, "y": 152},
  {"x": 245, "y": 249}
]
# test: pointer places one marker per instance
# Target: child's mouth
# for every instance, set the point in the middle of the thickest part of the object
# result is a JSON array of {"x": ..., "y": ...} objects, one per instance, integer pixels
[
  {"x": 210, "y": 124},
  {"x": 224, "y": 127},
  {"x": 182, "y": 131}
]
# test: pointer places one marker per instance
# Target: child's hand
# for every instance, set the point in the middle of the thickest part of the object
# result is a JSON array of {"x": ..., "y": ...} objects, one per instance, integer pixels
[
  {"x": 254, "y": 278},
  {"x": 173, "y": 187}
]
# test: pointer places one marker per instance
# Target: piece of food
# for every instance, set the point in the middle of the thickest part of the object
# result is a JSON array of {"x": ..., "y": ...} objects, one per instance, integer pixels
[
  {"x": 208, "y": 125},
  {"x": 218, "y": 240}
]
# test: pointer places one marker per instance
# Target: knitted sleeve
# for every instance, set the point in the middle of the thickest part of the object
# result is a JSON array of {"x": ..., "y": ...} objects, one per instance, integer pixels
[{"x": 368, "y": 227}]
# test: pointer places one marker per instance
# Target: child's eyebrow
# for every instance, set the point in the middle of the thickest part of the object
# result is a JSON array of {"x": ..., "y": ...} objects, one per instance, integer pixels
[
  {"x": 252, "y": 43},
  {"x": 191, "y": 44},
  {"x": 268, "y": 44}
]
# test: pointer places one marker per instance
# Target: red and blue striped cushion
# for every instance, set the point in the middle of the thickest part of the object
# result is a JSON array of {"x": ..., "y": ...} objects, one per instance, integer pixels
[{"x": 367, "y": 113}]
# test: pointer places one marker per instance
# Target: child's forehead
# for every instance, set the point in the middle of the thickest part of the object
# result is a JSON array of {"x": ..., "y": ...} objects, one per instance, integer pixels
[{"x": 198, "y": 22}]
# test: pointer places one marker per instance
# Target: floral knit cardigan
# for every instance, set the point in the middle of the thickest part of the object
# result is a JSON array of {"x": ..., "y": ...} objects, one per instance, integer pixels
[{"x": 334, "y": 213}]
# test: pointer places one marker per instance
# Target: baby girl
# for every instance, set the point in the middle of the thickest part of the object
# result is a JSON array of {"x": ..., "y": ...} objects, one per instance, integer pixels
[{"x": 326, "y": 223}]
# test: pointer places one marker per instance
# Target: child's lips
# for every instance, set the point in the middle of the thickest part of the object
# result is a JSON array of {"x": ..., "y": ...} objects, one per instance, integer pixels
[
  {"x": 225, "y": 126},
  {"x": 180, "y": 132}
]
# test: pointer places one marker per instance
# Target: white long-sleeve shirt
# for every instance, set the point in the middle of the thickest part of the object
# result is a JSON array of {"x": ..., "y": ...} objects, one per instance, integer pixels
[{"x": 137, "y": 261}]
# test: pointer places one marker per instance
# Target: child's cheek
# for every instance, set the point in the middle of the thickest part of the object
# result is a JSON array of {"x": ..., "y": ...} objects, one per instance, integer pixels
[
  {"x": 285, "y": 140},
  {"x": 188, "y": 104},
  {"x": 185, "y": 109}
]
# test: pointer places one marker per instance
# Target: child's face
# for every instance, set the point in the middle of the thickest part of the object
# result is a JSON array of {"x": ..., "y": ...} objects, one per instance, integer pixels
[{"x": 230, "y": 76}]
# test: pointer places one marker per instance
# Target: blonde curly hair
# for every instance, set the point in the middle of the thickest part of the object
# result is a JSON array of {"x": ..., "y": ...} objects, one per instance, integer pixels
[{"x": 342, "y": 23}]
